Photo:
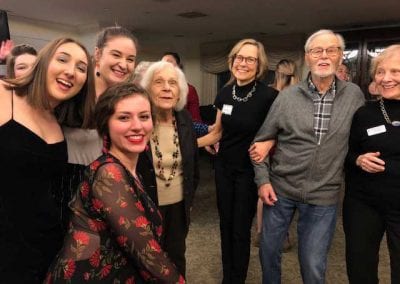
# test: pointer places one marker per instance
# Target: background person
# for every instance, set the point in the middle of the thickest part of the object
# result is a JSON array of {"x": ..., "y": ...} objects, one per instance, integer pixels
[
  {"x": 343, "y": 72},
  {"x": 115, "y": 230},
  {"x": 372, "y": 201},
  {"x": 33, "y": 153},
  {"x": 174, "y": 154},
  {"x": 20, "y": 60},
  {"x": 285, "y": 75},
  {"x": 242, "y": 105}
]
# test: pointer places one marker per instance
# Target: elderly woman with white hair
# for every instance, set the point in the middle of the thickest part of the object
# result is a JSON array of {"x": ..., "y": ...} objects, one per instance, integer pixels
[{"x": 174, "y": 154}]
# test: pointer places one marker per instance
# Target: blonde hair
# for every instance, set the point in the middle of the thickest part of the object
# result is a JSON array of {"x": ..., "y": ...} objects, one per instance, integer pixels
[
  {"x": 285, "y": 74},
  {"x": 262, "y": 60},
  {"x": 388, "y": 52}
]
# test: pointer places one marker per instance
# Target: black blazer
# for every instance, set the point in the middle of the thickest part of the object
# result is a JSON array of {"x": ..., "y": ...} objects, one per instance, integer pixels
[{"x": 190, "y": 167}]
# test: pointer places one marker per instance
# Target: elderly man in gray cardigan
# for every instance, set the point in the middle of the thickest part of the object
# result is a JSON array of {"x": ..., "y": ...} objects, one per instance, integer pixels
[{"x": 309, "y": 123}]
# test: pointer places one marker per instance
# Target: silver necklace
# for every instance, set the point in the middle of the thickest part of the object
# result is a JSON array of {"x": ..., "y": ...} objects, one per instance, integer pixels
[
  {"x": 247, "y": 97},
  {"x": 386, "y": 116}
]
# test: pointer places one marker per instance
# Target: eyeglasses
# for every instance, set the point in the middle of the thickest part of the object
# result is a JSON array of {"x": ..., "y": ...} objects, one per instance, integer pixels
[
  {"x": 249, "y": 60},
  {"x": 330, "y": 51}
]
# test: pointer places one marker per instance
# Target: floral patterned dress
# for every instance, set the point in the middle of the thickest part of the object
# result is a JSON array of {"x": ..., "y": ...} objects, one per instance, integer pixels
[{"x": 114, "y": 234}]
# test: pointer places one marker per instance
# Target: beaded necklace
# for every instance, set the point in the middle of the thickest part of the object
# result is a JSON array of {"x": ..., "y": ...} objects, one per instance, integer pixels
[{"x": 159, "y": 155}]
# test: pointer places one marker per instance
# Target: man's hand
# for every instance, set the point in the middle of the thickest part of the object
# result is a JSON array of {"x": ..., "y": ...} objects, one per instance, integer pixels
[
  {"x": 259, "y": 150},
  {"x": 267, "y": 194},
  {"x": 370, "y": 162}
]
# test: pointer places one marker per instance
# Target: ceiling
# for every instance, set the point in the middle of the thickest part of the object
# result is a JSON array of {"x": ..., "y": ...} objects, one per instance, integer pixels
[{"x": 226, "y": 19}]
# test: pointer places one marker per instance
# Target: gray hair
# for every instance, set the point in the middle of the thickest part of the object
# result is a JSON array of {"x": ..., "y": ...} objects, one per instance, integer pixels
[
  {"x": 324, "y": 32},
  {"x": 182, "y": 83}
]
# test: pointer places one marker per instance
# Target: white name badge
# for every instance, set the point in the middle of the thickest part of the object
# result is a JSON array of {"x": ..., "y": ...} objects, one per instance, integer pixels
[
  {"x": 227, "y": 109},
  {"x": 376, "y": 130}
]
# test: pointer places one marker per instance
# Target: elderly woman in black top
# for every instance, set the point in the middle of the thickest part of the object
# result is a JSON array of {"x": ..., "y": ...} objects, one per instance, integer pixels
[
  {"x": 174, "y": 155},
  {"x": 372, "y": 200},
  {"x": 242, "y": 107}
]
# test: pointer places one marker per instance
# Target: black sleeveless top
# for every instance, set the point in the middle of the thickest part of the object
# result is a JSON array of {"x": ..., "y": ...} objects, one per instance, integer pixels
[{"x": 30, "y": 232}]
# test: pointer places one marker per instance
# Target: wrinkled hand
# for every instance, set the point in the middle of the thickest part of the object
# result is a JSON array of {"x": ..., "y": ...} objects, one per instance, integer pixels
[
  {"x": 5, "y": 48},
  {"x": 267, "y": 194},
  {"x": 259, "y": 150},
  {"x": 370, "y": 162}
]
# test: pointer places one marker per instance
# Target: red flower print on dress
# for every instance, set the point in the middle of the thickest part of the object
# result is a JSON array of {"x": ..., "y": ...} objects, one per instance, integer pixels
[
  {"x": 105, "y": 271},
  {"x": 130, "y": 280},
  {"x": 141, "y": 222},
  {"x": 154, "y": 246},
  {"x": 94, "y": 165},
  {"x": 97, "y": 204},
  {"x": 69, "y": 269},
  {"x": 181, "y": 280},
  {"x": 122, "y": 220},
  {"x": 139, "y": 206},
  {"x": 123, "y": 204},
  {"x": 96, "y": 225},
  {"x": 86, "y": 276},
  {"x": 81, "y": 238},
  {"x": 94, "y": 260},
  {"x": 145, "y": 275},
  {"x": 115, "y": 172},
  {"x": 165, "y": 270},
  {"x": 122, "y": 240},
  {"x": 159, "y": 231},
  {"x": 85, "y": 189}
]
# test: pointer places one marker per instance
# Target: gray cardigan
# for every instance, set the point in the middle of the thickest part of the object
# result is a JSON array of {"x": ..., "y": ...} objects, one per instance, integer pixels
[{"x": 300, "y": 169}]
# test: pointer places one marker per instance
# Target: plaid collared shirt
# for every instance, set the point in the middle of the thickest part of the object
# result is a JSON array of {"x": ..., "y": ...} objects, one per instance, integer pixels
[{"x": 322, "y": 108}]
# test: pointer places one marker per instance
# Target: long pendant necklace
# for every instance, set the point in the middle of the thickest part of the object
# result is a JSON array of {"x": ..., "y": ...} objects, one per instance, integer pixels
[
  {"x": 159, "y": 155},
  {"x": 386, "y": 116},
  {"x": 247, "y": 97}
]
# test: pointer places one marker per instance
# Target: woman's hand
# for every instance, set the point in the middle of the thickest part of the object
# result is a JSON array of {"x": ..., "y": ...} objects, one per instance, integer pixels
[
  {"x": 370, "y": 162},
  {"x": 259, "y": 150},
  {"x": 5, "y": 48}
]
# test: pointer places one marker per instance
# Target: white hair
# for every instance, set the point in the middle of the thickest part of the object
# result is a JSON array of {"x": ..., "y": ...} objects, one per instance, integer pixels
[
  {"x": 182, "y": 83},
  {"x": 324, "y": 32}
]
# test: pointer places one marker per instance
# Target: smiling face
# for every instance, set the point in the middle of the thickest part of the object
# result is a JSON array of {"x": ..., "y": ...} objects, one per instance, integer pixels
[
  {"x": 116, "y": 61},
  {"x": 66, "y": 73},
  {"x": 23, "y": 64},
  {"x": 164, "y": 88},
  {"x": 244, "y": 72},
  {"x": 130, "y": 126},
  {"x": 325, "y": 65},
  {"x": 387, "y": 77}
]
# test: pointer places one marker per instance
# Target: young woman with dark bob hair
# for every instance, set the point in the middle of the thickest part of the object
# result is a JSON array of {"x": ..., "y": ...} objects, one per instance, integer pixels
[
  {"x": 116, "y": 228},
  {"x": 33, "y": 153}
]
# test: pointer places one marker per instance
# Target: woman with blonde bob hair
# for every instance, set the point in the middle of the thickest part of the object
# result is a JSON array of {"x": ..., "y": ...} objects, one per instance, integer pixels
[
  {"x": 174, "y": 155},
  {"x": 33, "y": 153},
  {"x": 371, "y": 205},
  {"x": 242, "y": 106}
]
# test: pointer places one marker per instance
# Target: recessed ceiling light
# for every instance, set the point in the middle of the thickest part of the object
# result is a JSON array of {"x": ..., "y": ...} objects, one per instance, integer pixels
[{"x": 192, "y": 15}]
